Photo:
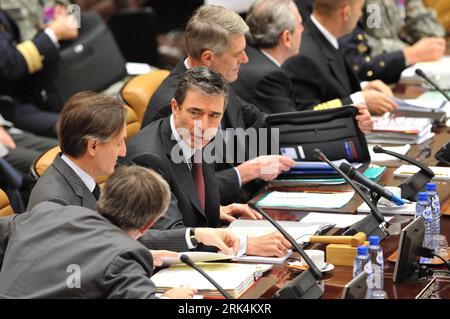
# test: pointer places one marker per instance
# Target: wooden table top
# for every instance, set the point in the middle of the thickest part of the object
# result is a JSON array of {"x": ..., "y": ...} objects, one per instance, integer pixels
[{"x": 335, "y": 280}]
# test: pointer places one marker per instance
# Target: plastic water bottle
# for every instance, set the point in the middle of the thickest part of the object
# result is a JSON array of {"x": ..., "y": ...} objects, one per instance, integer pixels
[
  {"x": 377, "y": 259},
  {"x": 433, "y": 199},
  {"x": 423, "y": 208},
  {"x": 363, "y": 263}
]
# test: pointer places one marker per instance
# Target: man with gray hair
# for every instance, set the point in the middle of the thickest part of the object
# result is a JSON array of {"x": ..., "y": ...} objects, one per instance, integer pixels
[
  {"x": 215, "y": 38},
  {"x": 73, "y": 252},
  {"x": 275, "y": 34}
]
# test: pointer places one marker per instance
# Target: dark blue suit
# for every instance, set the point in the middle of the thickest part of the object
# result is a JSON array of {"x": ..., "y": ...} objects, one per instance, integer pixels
[{"x": 16, "y": 80}]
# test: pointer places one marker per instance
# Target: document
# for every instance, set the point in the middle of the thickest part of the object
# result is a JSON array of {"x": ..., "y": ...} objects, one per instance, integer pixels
[
  {"x": 234, "y": 278},
  {"x": 440, "y": 173},
  {"x": 406, "y": 209},
  {"x": 197, "y": 256},
  {"x": 341, "y": 220},
  {"x": 306, "y": 199},
  {"x": 300, "y": 231}
]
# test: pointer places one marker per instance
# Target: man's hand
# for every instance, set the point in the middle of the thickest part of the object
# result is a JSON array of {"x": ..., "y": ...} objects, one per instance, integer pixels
[
  {"x": 65, "y": 27},
  {"x": 158, "y": 256},
  {"x": 224, "y": 239},
  {"x": 180, "y": 293},
  {"x": 6, "y": 139},
  {"x": 364, "y": 119},
  {"x": 273, "y": 244},
  {"x": 426, "y": 49},
  {"x": 378, "y": 103},
  {"x": 266, "y": 167},
  {"x": 379, "y": 86},
  {"x": 229, "y": 213}
]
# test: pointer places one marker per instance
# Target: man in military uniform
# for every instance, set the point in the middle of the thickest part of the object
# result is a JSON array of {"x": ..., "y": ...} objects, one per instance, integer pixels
[
  {"x": 29, "y": 14},
  {"x": 19, "y": 61},
  {"x": 401, "y": 22},
  {"x": 379, "y": 47}
]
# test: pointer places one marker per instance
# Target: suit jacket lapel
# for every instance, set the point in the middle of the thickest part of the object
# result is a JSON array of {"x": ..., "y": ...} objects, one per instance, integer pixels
[
  {"x": 182, "y": 172},
  {"x": 80, "y": 189},
  {"x": 333, "y": 58}
]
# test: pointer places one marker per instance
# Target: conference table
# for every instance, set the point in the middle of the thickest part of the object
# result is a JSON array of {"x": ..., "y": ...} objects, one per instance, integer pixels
[{"x": 335, "y": 280}]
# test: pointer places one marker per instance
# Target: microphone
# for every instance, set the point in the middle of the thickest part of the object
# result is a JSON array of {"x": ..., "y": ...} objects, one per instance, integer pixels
[
  {"x": 374, "y": 187},
  {"x": 373, "y": 224},
  {"x": 422, "y": 74},
  {"x": 414, "y": 183},
  {"x": 188, "y": 261},
  {"x": 305, "y": 285}
]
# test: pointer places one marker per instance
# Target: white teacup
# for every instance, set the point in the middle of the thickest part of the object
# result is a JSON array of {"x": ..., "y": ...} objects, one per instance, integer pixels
[{"x": 317, "y": 256}]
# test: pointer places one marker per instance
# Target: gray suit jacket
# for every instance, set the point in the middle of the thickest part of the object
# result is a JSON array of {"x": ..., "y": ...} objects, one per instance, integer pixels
[
  {"x": 60, "y": 184},
  {"x": 72, "y": 252}
]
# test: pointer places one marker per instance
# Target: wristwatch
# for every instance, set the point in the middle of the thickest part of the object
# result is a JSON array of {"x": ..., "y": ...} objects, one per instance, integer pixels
[{"x": 192, "y": 238}]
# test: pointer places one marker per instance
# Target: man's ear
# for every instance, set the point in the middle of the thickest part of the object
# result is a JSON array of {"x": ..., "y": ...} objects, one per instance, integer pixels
[
  {"x": 346, "y": 12},
  {"x": 206, "y": 58},
  {"x": 91, "y": 147},
  {"x": 174, "y": 106},
  {"x": 285, "y": 39}
]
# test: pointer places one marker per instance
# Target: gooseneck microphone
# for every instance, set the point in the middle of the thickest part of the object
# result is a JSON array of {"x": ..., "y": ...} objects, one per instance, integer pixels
[
  {"x": 305, "y": 285},
  {"x": 422, "y": 74},
  {"x": 374, "y": 187},
  {"x": 373, "y": 224},
  {"x": 188, "y": 261}
]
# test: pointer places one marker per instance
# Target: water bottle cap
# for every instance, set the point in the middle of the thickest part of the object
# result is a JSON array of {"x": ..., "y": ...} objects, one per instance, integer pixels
[
  {"x": 374, "y": 240},
  {"x": 362, "y": 250},
  {"x": 431, "y": 187},
  {"x": 423, "y": 196}
]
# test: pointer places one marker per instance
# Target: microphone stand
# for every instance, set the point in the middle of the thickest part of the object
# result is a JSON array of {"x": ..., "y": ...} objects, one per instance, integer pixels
[
  {"x": 372, "y": 224},
  {"x": 305, "y": 285},
  {"x": 414, "y": 183},
  {"x": 422, "y": 74},
  {"x": 188, "y": 261}
]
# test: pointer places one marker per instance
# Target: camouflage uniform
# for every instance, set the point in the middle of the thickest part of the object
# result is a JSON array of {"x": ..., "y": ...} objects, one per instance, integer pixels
[
  {"x": 394, "y": 33},
  {"x": 28, "y": 14}
]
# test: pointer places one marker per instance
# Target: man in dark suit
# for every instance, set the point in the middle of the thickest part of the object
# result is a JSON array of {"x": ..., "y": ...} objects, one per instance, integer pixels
[
  {"x": 275, "y": 31},
  {"x": 73, "y": 252},
  {"x": 92, "y": 135},
  {"x": 320, "y": 73},
  {"x": 221, "y": 48},
  {"x": 177, "y": 148}
]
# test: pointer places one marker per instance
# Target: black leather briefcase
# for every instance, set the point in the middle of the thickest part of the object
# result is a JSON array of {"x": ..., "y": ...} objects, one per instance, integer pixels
[
  {"x": 334, "y": 131},
  {"x": 92, "y": 62}
]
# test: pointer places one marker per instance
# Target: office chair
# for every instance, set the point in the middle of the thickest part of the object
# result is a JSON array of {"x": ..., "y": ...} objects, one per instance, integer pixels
[
  {"x": 5, "y": 207},
  {"x": 137, "y": 92}
]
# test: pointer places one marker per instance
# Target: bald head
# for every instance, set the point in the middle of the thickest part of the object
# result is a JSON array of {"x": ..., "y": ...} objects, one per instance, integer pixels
[{"x": 330, "y": 7}]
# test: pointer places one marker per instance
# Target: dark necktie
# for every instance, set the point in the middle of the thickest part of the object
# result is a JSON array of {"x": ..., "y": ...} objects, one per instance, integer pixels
[
  {"x": 197, "y": 174},
  {"x": 96, "y": 191}
]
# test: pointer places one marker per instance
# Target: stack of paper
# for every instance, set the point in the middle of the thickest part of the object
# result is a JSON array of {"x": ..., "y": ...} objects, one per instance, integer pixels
[
  {"x": 234, "y": 278},
  {"x": 314, "y": 170},
  {"x": 440, "y": 173},
  {"x": 437, "y": 70},
  {"x": 422, "y": 105},
  {"x": 400, "y": 130}
]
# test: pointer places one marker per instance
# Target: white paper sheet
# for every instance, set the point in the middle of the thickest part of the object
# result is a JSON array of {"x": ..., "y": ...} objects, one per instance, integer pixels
[{"x": 297, "y": 199}]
